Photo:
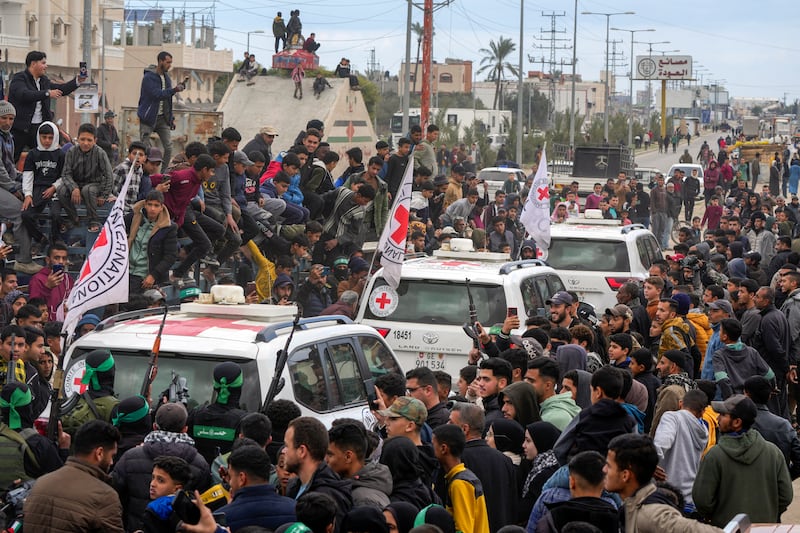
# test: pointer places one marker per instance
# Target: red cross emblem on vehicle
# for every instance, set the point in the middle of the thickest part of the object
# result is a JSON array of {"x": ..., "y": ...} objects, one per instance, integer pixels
[
  {"x": 81, "y": 387},
  {"x": 383, "y": 300}
]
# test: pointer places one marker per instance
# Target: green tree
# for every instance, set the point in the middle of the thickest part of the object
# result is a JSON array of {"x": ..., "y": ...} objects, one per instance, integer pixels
[{"x": 495, "y": 61}]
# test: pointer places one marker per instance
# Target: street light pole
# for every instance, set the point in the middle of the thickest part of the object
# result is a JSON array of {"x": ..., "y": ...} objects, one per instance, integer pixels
[
  {"x": 630, "y": 104},
  {"x": 248, "y": 38},
  {"x": 606, "y": 96},
  {"x": 574, "y": 61}
]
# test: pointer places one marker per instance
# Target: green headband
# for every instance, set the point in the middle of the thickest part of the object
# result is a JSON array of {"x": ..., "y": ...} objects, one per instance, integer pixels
[
  {"x": 18, "y": 399},
  {"x": 224, "y": 388},
  {"x": 90, "y": 374},
  {"x": 129, "y": 418}
]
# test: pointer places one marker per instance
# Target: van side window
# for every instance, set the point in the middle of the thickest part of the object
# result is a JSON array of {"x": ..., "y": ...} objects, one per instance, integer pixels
[
  {"x": 644, "y": 253},
  {"x": 347, "y": 381},
  {"x": 378, "y": 357},
  {"x": 311, "y": 374},
  {"x": 531, "y": 297}
]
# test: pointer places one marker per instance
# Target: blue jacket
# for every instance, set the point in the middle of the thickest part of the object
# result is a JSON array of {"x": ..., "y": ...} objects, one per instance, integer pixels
[
  {"x": 258, "y": 505},
  {"x": 150, "y": 96}
]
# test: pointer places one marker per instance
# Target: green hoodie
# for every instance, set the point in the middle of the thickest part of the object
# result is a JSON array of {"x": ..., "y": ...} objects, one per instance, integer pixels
[
  {"x": 559, "y": 410},
  {"x": 742, "y": 474}
]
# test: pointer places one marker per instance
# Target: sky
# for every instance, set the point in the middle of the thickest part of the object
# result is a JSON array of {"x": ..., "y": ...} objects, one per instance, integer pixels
[{"x": 753, "y": 55}]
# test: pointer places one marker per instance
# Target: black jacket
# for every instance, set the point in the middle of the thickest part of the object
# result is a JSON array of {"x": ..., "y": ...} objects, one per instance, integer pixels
[
  {"x": 132, "y": 474},
  {"x": 257, "y": 144},
  {"x": 595, "y": 511},
  {"x": 492, "y": 412},
  {"x": 779, "y": 431},
  {"x": 772, "y": 339},
  {"x": 327, "y": 481},
  {"x": 438, "y": 415},
  {"x": 593, "y": 429},
  {"x": 223, "y": 418},
  {"x": 23, "y": 94},
  {"x": 498, "y": 475}
]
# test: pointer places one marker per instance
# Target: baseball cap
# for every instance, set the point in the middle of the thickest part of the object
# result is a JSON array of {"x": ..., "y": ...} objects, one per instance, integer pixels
[
  {"x": 356, "y": 265},
  {"x": 620, "y": 310},
  {"x": 241, "y": 157},
  {"x": 155, "y": 154},
  {"x": 722, "y": 305},
  {"x": 675, "y": 257},
  {"x": 738, "y": 406},
  {"x": 109, "y": 114},
  {"x": 269, "y": 130},
  {"x": 441, "y": 179},
  {"x": 407, "y": 407},
  {"x": 449, "y": 230},
  {"x": 561, "y": 297}
]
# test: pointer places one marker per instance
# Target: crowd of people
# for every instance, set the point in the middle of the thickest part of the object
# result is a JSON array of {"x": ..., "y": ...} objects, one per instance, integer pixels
[{"x": 674, "y": 410}]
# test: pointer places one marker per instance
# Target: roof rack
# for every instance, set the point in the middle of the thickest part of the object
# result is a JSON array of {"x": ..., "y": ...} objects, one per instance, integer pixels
[
  {"x": 131, "y": 315},
  {"x": 522, "y": 263},
  {"x": 271, "y": 332}
]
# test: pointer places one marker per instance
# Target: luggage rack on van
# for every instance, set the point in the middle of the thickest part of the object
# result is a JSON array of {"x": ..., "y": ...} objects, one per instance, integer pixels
[
  {"x": 271, "y": 332},
  {"x": 522, "y": 263},
  {"x": 132, "y": 315}
]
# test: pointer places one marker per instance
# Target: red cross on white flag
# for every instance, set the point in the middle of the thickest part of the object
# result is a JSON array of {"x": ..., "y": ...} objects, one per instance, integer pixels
[
  {"x": 392, "y": 244},
  {"x": 536, "y": 213}
]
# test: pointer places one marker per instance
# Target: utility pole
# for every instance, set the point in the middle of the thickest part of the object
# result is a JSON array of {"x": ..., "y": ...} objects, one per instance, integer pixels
[
  {"x": 407, "y": 72},
  {"x": 87, "y": 47},
  {"x": 551, "y": 36},
  {"x": 520, "y": 82},
  {"x": 572, "y": 91},
  {"x": 615, "y": 61},
  {"x": 606, "y": 96},
  {"x": 632, "y": 73}
]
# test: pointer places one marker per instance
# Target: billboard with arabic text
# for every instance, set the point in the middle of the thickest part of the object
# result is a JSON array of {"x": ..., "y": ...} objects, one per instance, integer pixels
[{"x": 664, "y": 67}]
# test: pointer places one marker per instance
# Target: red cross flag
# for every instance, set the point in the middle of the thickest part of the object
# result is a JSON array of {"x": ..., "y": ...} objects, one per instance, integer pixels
[
  {"x": 104, "y": 275},
  {"x": 392, "y": 243},
  {"x": 536, "y": 213}
]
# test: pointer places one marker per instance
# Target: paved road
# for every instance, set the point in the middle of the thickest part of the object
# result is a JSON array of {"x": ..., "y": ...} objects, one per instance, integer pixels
[{"x": 652, "y": 159}]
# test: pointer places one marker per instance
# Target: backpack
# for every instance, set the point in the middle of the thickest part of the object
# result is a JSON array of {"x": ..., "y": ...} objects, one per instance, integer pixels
[
  {"x": 87, "y": 409},
  {"x": 13, "y": 447}
]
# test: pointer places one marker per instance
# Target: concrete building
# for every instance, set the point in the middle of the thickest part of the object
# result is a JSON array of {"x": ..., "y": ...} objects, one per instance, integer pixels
[
  {"x": 452, "y": 76},
  {"x": 56, "y": 28}
]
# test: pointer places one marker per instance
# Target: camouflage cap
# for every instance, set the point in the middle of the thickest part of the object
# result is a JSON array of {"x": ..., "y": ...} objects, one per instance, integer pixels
[{"x": 407, "y": 407}]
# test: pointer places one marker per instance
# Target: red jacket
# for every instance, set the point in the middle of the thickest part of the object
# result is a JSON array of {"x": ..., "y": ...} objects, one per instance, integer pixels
[{"x": 184, "y": 185}]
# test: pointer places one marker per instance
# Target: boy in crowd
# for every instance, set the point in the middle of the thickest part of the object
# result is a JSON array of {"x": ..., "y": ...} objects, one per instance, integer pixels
[
  {"x": 87, "y": 177},
  {"x": 40, "y": 179}
]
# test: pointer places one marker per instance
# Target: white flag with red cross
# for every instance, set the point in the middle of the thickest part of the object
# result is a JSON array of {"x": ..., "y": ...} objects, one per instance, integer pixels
[
  {"x": 536, "y": 213},
  {"x": 392, "y": 243},
  {"x": 103, "y": 279}
]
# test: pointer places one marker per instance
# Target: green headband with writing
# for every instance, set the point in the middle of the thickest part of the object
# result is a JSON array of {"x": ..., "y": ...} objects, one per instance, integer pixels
[{"x": 134, "y": 416}]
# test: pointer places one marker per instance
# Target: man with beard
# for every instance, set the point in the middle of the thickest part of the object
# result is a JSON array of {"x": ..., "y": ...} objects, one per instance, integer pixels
[
  {"x": 306, "y": 445},
  {"x": 560, "y": 306},
  {"x": 675, "y": 383},
  {"x": 78, "y": 495}
]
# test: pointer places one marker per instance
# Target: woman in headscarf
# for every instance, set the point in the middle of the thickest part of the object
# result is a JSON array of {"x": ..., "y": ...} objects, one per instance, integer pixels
[
  {"x": 540, "y": 437},
  {"x": 402, "y": 458},
  {"x": 400, "y": 516},
  {"x": 506, "y": 436}
]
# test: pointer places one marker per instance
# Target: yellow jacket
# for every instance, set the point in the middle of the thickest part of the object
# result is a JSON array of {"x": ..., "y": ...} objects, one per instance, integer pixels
[
  {"x": 703, "y": 329},
  {"x": 465, "y": 500}
]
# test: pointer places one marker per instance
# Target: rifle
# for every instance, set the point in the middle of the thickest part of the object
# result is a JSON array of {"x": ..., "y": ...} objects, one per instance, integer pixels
[
  {"x": 469, "y": 328},
  {"x": 57, "y": 395},
  {"x": 277, "y": 382},
  {"x": 152, "y": 365}
]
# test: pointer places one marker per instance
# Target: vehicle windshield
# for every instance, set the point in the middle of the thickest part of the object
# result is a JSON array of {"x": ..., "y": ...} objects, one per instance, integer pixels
[
  {"x": 588, "y": 255},
  {"x": 497, "y": 175},
  {"x": 444, "y": 302},
  {"x": 198, "y": 372}
]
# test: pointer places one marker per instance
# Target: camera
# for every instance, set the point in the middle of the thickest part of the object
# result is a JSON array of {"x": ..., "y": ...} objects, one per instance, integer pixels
[{"x": 691, "y": 261}]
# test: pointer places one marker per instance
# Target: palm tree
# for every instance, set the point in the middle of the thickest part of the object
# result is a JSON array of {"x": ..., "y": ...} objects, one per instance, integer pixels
[{"x": 494, "y": 60}]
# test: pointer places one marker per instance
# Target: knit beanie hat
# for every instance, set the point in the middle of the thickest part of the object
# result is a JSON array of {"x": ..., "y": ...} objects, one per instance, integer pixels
[{"x": 7, "y": 108}]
